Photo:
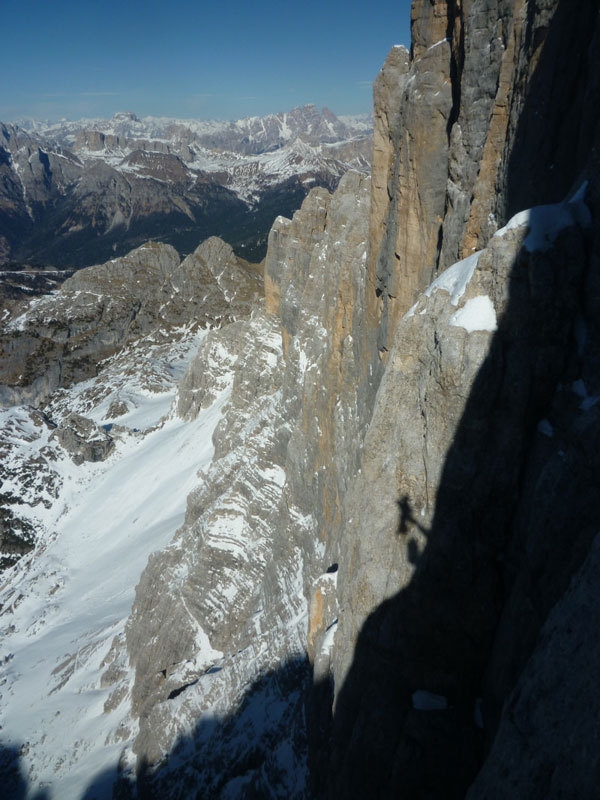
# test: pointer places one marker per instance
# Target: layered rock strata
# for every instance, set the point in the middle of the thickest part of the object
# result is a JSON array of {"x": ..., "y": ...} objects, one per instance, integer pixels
[
  {"x": 243, "y": 573},
  {"x": 100, "y": 321},
  {"x": 62, "y": 338}
]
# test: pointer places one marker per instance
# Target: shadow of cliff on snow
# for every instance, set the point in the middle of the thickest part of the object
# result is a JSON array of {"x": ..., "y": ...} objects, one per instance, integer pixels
[
  {"x": 260, "y": 751},
  {"x": 13, "y": 782}
]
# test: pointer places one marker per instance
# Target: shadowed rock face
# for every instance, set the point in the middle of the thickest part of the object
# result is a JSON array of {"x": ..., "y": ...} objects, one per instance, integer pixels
[
  {"x": 459, "y": 145},
  {"x": 403, "y": 503},
  {"x": 444, "y": 523}
]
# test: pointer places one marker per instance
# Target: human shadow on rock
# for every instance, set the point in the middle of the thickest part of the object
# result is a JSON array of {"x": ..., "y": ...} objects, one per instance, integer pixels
[
  {"x": 437, "y": 635},
  {"x": 419, "y": 707}
]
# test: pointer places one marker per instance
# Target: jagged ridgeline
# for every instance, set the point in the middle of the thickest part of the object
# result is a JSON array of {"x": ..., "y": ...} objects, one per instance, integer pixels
[
  {"x": 342, "y": 541},
  {"x": 73, "y": 194}
]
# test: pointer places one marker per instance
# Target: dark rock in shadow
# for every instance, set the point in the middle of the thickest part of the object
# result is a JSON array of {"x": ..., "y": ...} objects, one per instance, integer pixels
[{"x": 516, "y": 513}]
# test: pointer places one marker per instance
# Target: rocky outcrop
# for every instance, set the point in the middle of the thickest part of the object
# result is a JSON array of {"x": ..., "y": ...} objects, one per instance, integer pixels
[
  {"x": 107, "y": 320},
  {"x": 409, "y": 178},
  {"x": 83, "y": 440},
  {"x": 458, "y": 148},
  {"x": 62, "y": 338},
  {"x": 465, "y": 479}
]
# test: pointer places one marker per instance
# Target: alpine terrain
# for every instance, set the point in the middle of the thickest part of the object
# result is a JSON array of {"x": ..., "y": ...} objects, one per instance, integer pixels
[
  {"x": 328, "y": 527},
  {"x": 75, "y": 193}
]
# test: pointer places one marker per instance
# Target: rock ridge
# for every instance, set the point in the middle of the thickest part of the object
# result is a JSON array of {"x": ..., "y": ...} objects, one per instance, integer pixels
[
  {"x": 61, "y": 338},
  {"x": 429, "y": 358}
]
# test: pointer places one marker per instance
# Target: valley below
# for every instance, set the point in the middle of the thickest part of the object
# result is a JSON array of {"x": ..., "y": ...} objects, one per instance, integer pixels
[
  {"x": 74, "y": 194},
  {"x": 299, "y": 425}
]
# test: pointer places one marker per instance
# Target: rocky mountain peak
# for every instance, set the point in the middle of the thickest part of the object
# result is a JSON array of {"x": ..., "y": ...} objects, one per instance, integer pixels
[
  {"x": 125, "y": 116},
  {"x": 58, "y": 339},
  {"x": 372, "y": 500},
  {"x": 76, "y": 193}
]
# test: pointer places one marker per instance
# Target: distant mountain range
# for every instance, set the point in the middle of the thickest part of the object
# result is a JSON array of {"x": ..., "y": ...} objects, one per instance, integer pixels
[{"x": 77, "y": 193}]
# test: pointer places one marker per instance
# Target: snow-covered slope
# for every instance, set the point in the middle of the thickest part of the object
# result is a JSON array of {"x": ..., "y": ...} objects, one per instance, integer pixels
[{"x": 64, "y": 604}]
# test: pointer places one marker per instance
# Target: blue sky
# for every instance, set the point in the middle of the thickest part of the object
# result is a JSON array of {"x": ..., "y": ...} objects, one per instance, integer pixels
[{"x": 222, "y": 60}]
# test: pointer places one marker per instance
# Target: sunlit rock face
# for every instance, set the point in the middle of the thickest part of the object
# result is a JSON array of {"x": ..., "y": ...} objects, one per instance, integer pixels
[
  {"x": 383, "y": 584},
  {"x": 459, "y": 145},
  {"x": 103, "y": 319},
  {"x": 247, "y": 574}
]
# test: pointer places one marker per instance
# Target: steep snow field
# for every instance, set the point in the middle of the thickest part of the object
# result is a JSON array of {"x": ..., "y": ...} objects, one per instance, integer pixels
[{"x": 62, "y": 605}]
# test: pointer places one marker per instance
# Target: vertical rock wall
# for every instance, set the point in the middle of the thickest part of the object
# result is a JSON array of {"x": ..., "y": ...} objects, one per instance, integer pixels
[
  {"x": 369, "y": 515},
  {"x": 469, "y": 129},
  {"x": 445, "y": 580},
  {"x": 221, "y": 617}
]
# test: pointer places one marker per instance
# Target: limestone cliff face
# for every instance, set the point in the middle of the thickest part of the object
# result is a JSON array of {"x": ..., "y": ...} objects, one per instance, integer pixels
[
  {"x": 403, "y": 501},
  {"x": 246, "y": 577},
  {"x": 321, "y": 312},
  {"x": 459, "y": 145},
  {"x": 409, "y": 177}
]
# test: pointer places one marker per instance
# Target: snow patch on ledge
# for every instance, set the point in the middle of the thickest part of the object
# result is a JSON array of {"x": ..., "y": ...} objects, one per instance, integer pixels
[
  {"x": 455, "y": 279},
  {"x": 423, "y": 700},
  {"x": 477, "y": 314},
  {"x": 546, "y": 222},
  {"x": 545, "y": 428},
  {"x": 437, "y": 44}
]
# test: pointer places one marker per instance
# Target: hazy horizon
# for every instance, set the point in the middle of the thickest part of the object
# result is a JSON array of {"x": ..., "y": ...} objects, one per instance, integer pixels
[
  {"x": 25, "y": 119},
  {"x": 71, "y": 61}
]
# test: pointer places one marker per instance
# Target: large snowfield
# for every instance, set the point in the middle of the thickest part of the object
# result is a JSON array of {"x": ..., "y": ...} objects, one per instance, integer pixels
[{"x": 63, "y": 604}]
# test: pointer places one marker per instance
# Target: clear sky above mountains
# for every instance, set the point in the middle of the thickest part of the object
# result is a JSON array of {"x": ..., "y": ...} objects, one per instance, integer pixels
[{"x": 222, "y": 60}]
